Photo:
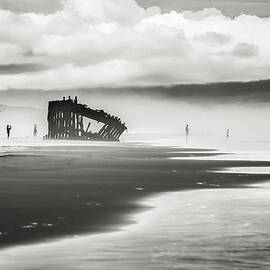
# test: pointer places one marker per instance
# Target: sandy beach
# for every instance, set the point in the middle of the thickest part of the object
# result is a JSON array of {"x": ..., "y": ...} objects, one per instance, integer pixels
[{"x": 50, "y": 192}]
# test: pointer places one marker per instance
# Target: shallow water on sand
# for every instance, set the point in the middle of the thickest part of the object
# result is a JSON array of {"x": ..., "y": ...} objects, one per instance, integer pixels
[
  {"x": 205, "y": 229},
  {"x": 199, "y": 229}
]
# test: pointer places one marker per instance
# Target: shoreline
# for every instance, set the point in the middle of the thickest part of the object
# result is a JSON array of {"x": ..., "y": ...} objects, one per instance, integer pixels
[
  {"x": 123, "y": 247},
  {"x": 100, "y": 188}
]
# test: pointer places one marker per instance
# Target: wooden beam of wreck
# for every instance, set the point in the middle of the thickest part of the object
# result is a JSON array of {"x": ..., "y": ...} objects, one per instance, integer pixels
[
  {"x": 88, "y": 126},
  {"x": 102, "y": 131}
]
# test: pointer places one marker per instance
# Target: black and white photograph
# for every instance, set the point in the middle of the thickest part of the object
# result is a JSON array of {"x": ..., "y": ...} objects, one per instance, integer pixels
[{"x": 134, "y": 134}]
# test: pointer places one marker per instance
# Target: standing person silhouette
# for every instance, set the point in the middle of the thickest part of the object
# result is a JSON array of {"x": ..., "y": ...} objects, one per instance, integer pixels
[
  {"x": 35, "y": 131},
  {"x": 8, "y": 131},
  {"x": 228, "y": 133},
  {"x": 187, "y": 132}
]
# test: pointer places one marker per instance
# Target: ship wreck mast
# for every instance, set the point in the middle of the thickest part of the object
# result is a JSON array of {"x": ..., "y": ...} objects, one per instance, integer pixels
[{"x": 66, "y": 121}]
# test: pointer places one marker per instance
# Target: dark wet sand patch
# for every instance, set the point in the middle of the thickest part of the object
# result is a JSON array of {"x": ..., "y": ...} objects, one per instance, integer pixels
[{"x": 50, "y": 192}]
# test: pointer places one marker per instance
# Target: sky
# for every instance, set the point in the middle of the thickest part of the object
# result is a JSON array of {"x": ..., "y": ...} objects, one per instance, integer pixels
[
  {"x": 228, "y": 7},
  {"x": 45, "y": 44}
]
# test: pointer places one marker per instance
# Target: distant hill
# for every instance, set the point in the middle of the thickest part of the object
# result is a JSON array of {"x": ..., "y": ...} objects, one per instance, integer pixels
[{"x": 5, "y": 108}]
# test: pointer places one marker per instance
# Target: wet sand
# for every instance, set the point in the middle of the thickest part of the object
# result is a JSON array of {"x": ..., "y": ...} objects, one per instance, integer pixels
[
  {"x": 50, "y": 192},
  {"x": 193, "y": 229}
]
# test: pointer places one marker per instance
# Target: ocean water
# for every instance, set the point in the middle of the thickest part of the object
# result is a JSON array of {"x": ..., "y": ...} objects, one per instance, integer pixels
[{"x": 198, "y": 229}]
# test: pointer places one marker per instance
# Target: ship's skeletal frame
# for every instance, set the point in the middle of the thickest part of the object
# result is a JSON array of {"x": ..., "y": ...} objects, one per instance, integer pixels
[{"x": 66, "y": 121}]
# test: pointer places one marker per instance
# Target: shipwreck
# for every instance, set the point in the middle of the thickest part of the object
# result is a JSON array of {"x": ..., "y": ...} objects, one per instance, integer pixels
[{"x": 69, "y": 120}]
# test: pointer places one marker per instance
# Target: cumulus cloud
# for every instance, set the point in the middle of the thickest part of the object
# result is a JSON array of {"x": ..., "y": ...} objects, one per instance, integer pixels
[{"x": 117, "y": 42}]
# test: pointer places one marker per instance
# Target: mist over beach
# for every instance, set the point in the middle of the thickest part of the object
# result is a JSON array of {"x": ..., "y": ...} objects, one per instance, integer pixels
[
  {"x": 134, "y": 134},
  {"x": 210, "y": 109}
]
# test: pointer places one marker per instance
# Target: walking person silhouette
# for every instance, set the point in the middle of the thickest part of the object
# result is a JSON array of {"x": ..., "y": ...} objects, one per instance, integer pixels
[
  {"x": 35, "y": 131},
  {"x": 8, "y": 131},
  {"x": 187, "y": 132}
]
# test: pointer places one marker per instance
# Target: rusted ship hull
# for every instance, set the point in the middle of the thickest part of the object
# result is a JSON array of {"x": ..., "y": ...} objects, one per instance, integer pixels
[{"x": 66, "y": 121}]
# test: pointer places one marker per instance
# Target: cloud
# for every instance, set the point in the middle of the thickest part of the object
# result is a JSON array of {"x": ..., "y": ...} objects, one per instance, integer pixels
[
  {"x": 117, "y": 42},
  {"x": 231, "y": 8},
  {"x": 213, "y": 38},
  {"x": 44, "y": 6},
  {"x": 245, "y": 50},
  {"x": 20, "y": 68},
  {"x": 100, "y": 11}
]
